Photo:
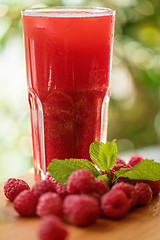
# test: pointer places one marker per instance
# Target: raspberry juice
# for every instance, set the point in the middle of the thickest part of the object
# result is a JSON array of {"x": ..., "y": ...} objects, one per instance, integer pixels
[{"x": 68, "y": 61}]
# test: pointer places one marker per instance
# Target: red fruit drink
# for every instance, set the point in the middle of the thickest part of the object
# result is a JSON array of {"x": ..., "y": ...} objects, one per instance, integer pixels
[{"x": 68, "y": 60}]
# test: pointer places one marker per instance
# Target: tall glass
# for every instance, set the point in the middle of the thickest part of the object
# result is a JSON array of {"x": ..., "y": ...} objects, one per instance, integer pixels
[{"x": 68, "y": 60}]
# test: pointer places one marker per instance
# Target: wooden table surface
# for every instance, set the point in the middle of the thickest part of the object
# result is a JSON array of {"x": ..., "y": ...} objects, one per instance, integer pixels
[{"x": 140, "y": 224}]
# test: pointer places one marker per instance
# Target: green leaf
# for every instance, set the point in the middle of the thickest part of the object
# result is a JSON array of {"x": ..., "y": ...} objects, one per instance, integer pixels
[
  {"x": 108, "y": 155},
  {"x": 62, "y": 169},
  {"x": 145, "y": 170},
  {"x": 103, "y": 177},
  {"x": 83, "y": 163},
  {"x": 94, "y": 153}
]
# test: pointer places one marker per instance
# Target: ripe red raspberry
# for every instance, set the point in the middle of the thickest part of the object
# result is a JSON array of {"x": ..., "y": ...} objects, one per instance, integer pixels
[
  {"x": 135, "y": 160},
  {"x": 120, "y": 161},
  {"x": 103, "y": 172},
  {"x": 52, "y": 228},
  {"x": 125, "y": 180},
  {"x": 61, "y": 190},
  {"x": 81, "y": 181},
  {"x": 111, "y": 173},
  {"x": 25, "y": 204},
  {"x": 49, "y": 204},
  {"x": 155, "y": 186},
  {"x": 117, "y": 166},
  {"x": 13, "y": 187},
  {"x": 144, "y": 193},
  {"x": 43, "y": 187},
  {"x": 101, "y": 187},
  {"x": 48, "y": 177},
  {"x": 130, "y": 192},
  {"x": 95, "y": 195},
  {"x": 115, "y": 204},
  {"x": 80, "y": 210}
]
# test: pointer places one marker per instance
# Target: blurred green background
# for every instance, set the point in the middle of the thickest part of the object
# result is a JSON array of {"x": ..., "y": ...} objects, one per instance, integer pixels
[{"x": 134, "y": 112}]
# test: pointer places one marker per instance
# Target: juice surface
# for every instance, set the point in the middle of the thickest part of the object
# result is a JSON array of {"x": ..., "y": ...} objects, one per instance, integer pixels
[{"x": 68, "y": 71}]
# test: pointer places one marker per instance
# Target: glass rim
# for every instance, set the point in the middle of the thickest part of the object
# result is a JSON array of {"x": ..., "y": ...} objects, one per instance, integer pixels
[{"x": 68, "y": 11}]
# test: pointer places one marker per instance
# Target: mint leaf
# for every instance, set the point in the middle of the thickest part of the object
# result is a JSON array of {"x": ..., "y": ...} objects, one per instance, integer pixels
[
  {"x": 103, "y": 177},
  {"x": 145, "y": 170},
  {"x": 94, "y": 153},
  {"x": 108, "y": 155},
  {"x": 83, "y": 163},
  {"x": 62, "y": 169}
]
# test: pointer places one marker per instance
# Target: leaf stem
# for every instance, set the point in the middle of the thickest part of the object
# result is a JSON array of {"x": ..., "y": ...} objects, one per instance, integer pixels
[{"x": 109, "y": 178}]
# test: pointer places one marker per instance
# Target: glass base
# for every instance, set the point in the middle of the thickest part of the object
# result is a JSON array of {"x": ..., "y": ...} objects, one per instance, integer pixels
[
  {"x": 39, "y": 154},
  {"x": 39, "y": 175}
]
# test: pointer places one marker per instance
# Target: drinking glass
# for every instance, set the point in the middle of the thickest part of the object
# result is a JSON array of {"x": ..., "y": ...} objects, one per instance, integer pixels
[{"x": 68, "y": 61}]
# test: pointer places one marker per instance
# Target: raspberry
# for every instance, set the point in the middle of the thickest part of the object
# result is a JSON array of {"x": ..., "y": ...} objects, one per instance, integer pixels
[
  {"x": 135, "y": 160},
  {"x": 144, "y": 193},
  {"x": 52, "y": 228},
  {"x": 103, "y": 172},
  {"x": 111, "y": 173},
  {"x": 120, "y": 160},
  {"x": 125, "y": 180},
  {"x": 80, "y": 210},
  {"x": 115, "y": 204},
  {"x": 13, "y": 187},
  {"x": 130, "y": 192},
  {"x": 117, "y": 166},
  {"x": 49, "y": 204},
  {"x": 25, "y": 203},
  {"x": 101, "y": 187},
  {"x": 61, "y": 190},
  {"x": 43, "y": 187},
  {"x": 155, "y": 186},
  {"x": 95, "y": 195},
  {"x": 48, "y": 177},
  {"x": 81, "y": 181}
]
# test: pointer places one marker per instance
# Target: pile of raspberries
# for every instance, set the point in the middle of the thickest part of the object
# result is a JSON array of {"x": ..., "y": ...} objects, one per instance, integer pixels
[{"x": 81, "y": 202}]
